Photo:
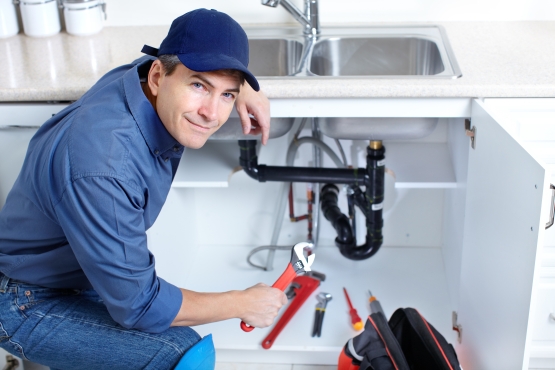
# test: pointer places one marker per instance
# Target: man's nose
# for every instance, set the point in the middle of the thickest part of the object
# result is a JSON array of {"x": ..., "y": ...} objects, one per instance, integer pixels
[{"x": 209, "y": 108}]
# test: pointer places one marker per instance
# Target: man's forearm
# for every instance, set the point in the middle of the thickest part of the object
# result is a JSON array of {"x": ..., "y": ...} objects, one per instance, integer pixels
[{"x": 202, "y": 308}]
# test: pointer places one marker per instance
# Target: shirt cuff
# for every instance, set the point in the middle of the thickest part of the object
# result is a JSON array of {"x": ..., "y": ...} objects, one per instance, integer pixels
[{"x": 163, "y": 310}]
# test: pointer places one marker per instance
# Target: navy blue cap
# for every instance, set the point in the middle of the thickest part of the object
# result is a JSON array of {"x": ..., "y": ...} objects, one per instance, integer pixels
[{"x": 207, "y": 40}]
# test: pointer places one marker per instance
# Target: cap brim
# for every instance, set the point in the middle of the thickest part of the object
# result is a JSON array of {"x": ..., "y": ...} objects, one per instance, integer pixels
[{"x": 213, "y": 62}]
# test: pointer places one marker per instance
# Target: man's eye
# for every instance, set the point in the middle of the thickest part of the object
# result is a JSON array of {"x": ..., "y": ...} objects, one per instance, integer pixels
[
  {"x": 197, "y": 85},
  {"x": 228, "y": 95}
]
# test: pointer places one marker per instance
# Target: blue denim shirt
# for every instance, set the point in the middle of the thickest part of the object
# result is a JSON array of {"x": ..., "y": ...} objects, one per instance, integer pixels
[{"x": 94, "y": 180}]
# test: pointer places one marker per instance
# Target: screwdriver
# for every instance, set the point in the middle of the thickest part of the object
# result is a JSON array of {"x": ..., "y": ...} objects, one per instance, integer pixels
[
  {"x": 375, "y": 305},
  {"x": 355, "y": 318}
]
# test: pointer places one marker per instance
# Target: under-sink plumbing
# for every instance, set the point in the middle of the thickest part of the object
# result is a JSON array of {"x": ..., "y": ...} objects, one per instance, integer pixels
[{"x": 369, "y": 201}]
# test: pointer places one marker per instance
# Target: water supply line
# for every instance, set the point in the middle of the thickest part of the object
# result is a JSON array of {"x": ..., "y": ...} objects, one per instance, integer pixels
[
  {"x": 282, "y": 197},
  {"x": 370, "y": 201}
]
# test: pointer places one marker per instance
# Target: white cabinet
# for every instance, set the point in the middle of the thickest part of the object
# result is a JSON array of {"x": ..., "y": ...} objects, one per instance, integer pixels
[{"x": 465, "y": 232}]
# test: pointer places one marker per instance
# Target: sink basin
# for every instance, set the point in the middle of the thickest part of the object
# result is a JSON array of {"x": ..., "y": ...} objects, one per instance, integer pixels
[
  {"x": 376, "y": 56},
  {"x": 410, "y": 52},
  {"x": 274, "y": 57},
  {"x": 232, "y": 129},
  {"x": 377, "y": 128}
]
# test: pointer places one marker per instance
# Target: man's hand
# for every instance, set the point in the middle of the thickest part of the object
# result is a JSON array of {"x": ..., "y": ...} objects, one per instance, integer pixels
[
  {"x": 257, "y": 306},
  {"x": 250, "y": 102},
  {"x": 261, "y": 304}
]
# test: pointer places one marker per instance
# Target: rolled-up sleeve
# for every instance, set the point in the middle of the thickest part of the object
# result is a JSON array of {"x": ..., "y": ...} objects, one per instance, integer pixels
[{"x": 102, "y": 218}]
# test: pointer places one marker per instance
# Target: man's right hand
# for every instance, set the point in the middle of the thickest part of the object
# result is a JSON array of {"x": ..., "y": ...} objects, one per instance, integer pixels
[{"x": 260, "y": 304}]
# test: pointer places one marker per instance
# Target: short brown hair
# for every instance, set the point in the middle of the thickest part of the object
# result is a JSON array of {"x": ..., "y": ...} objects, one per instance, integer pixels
[{"x": 171, "y": 61}]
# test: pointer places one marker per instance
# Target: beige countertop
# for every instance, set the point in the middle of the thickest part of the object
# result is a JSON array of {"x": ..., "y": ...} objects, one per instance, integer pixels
[{"x": 497, "y": 59}]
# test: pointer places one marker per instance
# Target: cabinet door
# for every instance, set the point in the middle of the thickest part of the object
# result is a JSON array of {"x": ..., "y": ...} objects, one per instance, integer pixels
[{"x": 504, "y": 197}]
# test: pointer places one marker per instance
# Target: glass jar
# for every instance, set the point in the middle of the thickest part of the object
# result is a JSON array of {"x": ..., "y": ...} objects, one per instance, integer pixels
[
  {"x": 40, "y": 17},
  {"x": 8, "y": 19},
  {"x": 84, "y": 17}
]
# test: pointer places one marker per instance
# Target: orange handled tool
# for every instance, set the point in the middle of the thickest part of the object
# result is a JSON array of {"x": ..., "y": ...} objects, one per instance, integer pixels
[
  {"x": 355, "y": 318},
  {"x": 298, "y": 266}
]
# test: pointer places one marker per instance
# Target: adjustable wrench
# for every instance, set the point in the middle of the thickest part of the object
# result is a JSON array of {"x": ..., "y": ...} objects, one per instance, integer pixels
[{"x": 297, "y": 266}]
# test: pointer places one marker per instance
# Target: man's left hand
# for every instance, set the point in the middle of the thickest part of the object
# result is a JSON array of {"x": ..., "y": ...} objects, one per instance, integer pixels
[{"x": 256, "y": 104}]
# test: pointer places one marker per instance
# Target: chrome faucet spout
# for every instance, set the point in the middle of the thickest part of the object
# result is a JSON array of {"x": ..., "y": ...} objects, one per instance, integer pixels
[{"x": 309, "y": 19}]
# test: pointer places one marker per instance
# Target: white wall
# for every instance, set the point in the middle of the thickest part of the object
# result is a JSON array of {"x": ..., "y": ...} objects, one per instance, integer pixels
[{"x": 162, "y": 12}]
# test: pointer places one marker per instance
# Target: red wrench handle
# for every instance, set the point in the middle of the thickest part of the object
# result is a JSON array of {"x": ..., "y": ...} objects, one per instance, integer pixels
[
  {"x": 281, "y": 283},
  {"x": 308, "y": 285}
]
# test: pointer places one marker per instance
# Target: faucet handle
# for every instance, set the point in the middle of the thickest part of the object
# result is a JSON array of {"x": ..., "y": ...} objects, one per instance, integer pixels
[{"x": 272, "y": 3}]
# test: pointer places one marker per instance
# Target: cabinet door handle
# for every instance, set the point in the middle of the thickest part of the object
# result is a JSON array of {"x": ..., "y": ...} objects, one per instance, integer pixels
[{"x": 552, "y": 207}]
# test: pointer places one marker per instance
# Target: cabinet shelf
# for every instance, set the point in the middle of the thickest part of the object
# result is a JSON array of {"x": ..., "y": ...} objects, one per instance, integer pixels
[{"x": 416, "y": 165}]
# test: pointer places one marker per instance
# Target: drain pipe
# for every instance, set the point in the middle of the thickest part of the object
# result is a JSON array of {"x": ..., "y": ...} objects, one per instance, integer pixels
[
  {"x": 370, "y": 202},
  {"x": 249, "y": 161}
]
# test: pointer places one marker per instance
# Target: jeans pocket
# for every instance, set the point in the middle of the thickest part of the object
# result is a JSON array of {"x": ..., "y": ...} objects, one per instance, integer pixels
[{"x": 32, "y": 297}]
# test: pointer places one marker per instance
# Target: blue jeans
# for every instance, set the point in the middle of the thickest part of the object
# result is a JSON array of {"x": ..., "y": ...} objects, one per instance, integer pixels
[{"x": 72, "y": 329}]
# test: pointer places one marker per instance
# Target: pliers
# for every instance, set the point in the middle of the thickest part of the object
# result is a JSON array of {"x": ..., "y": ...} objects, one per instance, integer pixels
[
  {"x": 298, "y": 265},
  {"x": 323, "y": 299}
]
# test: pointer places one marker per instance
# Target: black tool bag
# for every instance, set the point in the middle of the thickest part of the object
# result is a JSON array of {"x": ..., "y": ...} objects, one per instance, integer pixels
[
  {"x": 408, "y": 341},
  {"x": 423, "y": 346},
  {"x": 376, "y": 348}
]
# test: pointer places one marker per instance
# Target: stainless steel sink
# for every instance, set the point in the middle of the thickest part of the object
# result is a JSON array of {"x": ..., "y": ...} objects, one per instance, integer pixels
[
  {"x": 419, "y": 52},
  {"x": 376, "y": 56},
  {"x": 274, "y": 57},
  {"x": 361, "y": 52}
]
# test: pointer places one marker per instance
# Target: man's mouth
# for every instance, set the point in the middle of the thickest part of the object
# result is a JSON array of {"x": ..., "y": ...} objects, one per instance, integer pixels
[{"x": 200, "y": 127}]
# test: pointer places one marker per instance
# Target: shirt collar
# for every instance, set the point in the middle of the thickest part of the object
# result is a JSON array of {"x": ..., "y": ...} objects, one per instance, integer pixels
[{"x": 155, "y": 134}]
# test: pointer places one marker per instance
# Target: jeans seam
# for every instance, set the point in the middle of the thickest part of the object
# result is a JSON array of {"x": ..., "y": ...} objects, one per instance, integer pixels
[
  {"x": 138, "y": 333},
  {"x": 13, "y": 342}
]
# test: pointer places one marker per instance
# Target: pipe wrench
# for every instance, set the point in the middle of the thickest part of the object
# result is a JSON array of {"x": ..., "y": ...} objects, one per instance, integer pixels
[
  {"x": 302, "y": 287},
  {"x": 298, "y": 265}
]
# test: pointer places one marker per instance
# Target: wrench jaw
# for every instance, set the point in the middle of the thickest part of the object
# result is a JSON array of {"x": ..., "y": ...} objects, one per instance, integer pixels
[{"x": 301, "y": 264}]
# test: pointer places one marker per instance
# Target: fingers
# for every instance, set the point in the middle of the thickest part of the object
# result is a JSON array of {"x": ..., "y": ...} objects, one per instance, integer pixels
[
  {"x": 254, "y": 112},
  {"x": 262, "y": 305}
]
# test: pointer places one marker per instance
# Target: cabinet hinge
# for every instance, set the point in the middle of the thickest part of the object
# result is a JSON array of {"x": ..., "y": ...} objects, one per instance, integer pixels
[
  {"x": 457, "y": 327},
  {"x": 470, "y": 132}
]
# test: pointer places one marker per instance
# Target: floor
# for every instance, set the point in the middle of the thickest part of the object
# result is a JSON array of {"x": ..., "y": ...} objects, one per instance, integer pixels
[
  {"x": 230, "y": 366},
  {"x": 237, "y": 366}
]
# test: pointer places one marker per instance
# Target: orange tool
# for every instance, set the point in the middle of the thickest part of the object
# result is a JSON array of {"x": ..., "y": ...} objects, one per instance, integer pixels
[{"x": 355, "y": 318}]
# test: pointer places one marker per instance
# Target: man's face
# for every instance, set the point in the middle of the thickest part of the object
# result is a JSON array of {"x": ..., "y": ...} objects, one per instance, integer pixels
[{"x": 192, "y": 105}]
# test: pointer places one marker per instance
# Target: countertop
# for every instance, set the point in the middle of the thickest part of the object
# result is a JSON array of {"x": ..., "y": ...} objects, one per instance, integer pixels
[{"x": 497, "y": 59}]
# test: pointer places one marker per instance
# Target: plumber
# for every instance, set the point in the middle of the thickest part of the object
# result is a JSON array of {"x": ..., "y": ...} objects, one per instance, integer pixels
[{"x": 78, "y": 285}]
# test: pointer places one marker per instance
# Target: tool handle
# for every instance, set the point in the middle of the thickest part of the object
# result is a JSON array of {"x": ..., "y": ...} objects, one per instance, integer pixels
[
  {"x": 308, "y": 285},
  {"x": 355, "y": 319},
  {"x": 246, "y": 327},
  {"x": 375, "y": 306},
  {"x": 286, "y": 278},
  {"x": 281, "y": 283}
]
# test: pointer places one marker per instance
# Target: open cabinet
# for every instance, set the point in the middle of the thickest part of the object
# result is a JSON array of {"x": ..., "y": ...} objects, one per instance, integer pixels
[{"x": 467, "y": 235}]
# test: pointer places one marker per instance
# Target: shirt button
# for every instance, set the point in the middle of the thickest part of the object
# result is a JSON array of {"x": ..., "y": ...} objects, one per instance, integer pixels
[
  {"x": 175, "y": 149},
  {"x": 27, "y": 293},
  {"x": 156, "y": 152}
]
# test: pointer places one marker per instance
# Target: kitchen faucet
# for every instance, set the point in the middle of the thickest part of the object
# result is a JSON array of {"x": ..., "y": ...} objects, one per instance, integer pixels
[
  {"x": 309, "y": 19},
  {"x": 311, "y": 28}
]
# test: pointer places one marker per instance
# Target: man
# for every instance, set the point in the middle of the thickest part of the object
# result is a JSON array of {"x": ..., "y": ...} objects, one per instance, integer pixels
[{"x": 78, "y": 286}]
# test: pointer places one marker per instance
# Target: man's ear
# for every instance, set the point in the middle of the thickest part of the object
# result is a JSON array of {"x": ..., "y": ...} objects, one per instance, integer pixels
[{"x": 154, "y": 76}]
